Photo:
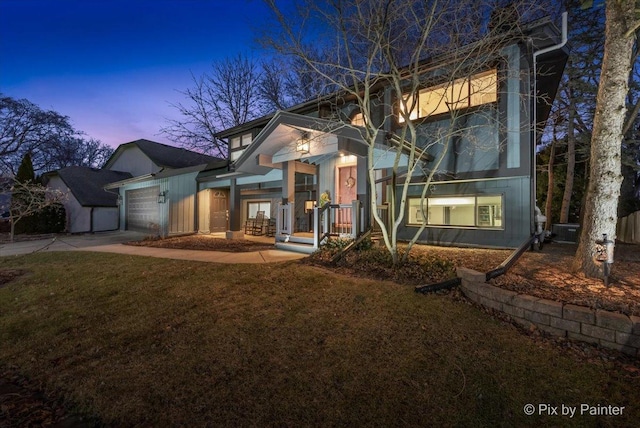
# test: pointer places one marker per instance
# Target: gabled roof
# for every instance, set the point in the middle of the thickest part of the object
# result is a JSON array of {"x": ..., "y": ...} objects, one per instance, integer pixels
[
  {"x": 163, "y": 155},
  {"x": 284, "y": 129},
  {"x": 87, "y": 184}
]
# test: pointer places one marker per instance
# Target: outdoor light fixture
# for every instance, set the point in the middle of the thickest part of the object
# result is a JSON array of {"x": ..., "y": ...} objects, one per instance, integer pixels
[
  {"x": 162, "y": 197},
  {"x": 304, "y": 144},
  {"x": 309, "y": 205}
]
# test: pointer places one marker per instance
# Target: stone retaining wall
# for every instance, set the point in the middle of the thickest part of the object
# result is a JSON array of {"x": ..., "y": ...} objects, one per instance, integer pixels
[{"x": 608, "y": 329}]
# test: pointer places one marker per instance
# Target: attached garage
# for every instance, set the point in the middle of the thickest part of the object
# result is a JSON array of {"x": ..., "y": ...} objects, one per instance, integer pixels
[{"x": 142, "y": 210}]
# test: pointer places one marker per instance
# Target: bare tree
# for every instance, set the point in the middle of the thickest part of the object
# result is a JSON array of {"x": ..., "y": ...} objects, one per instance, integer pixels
[
  {"x": 289, "y": 81},
  {"x": 225, "y": 97},
  {"x": 621, "y": 33},
  {"x": 47, "y": 135},
  {"x": 271, "y": 88},
  {"x": 75, "y": 151},
  {"x": 370, "y": 45},
  {"x": 28, "y": 198},
  {"x": 24, "y": 127}
]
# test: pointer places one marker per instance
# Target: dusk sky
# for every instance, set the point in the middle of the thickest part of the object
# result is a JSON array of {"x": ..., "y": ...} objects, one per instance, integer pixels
[{"x": 113, "y": 66}]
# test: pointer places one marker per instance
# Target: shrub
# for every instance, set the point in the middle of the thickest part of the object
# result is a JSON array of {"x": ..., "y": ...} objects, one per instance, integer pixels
[
  {"x": 51, "y": 219},
  {"x": 376, "y": 262}
]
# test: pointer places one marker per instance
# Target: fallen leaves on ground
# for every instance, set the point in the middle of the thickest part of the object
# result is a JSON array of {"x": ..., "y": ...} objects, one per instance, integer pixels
[{"x": 205, "y": 243}]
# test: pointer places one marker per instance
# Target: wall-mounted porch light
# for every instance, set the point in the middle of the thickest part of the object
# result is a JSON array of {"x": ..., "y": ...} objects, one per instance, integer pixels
[
  {"x": 162, "y": 197},
  {"x": 303, "y": 144}
]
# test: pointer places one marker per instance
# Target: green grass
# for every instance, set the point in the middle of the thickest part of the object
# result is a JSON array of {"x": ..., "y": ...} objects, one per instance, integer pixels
[{"x": 154, "y": 342}]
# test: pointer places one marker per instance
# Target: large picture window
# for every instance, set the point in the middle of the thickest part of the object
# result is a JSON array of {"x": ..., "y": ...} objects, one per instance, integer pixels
[
  {"x": 481, "y": 88},
  {"x": 254, "y": 207},
  {"x": 458, "y": 211}
]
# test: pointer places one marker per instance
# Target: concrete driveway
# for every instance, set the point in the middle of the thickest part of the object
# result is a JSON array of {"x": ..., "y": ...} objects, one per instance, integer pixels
[
  {"x": 111, "y": 242},
  {"x": 69, "y": 242}
]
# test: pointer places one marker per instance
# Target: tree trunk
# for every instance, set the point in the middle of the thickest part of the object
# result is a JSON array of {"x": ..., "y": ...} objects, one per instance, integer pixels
[
  {"x": 605, "y": 175},
  {"x": 550, "y": 184},
  {"x": 571, "y": 166}
]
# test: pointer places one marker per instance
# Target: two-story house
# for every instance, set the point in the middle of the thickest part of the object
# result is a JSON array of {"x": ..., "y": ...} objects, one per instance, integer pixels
[{"x": 483, "y": 191}]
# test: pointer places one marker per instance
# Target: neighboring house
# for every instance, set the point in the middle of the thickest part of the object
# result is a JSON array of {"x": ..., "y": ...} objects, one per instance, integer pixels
[
  {"x": 281, "y": 164},
  {"x": 89, "y": 207},
  {"x": 160, "y": 197}
]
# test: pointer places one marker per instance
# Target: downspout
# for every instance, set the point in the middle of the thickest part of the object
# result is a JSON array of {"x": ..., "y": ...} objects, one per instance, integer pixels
[
  {"x": 494, "y": 273},
  {"x": 534, "y": 131}
]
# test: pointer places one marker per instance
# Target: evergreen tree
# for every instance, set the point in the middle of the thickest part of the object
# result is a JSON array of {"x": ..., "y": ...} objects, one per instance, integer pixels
[{"x": 25, "y": 172}]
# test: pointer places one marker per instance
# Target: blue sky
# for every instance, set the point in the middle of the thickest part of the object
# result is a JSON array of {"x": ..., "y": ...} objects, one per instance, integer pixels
[{"x": 114, "y": 66}]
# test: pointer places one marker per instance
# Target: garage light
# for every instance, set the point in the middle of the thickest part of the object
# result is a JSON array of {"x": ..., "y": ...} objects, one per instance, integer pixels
[{"x": 162, "y": 197}]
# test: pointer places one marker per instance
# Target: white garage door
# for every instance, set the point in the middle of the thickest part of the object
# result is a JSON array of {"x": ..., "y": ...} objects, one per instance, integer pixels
[{"x": 143, "y": 213}]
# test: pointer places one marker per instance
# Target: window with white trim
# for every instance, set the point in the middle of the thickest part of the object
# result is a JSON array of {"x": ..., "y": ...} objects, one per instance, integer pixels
[
  {"x": 482, "y": 211},
  {"x": 481, "y": 88},
  {"x": 238, "y": 144},
  {"x": 254, "y": 206}
]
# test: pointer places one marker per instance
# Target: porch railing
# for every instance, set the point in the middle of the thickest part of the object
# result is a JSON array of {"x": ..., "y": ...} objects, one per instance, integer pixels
[
  {"x": 284, "y": 219},
  {"x": 383, "y": 213},
  {"x": 341, "y": 220}
]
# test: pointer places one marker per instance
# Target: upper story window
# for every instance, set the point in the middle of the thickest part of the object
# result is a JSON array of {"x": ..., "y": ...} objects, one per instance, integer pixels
[
  {"x": 358, "y": 119},
  {"x": 481, "y": 88},
  {"x": 237, "y": 145}
]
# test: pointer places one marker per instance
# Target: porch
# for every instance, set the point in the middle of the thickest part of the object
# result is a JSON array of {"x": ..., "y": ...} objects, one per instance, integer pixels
[{"x": 282, "y": 174}]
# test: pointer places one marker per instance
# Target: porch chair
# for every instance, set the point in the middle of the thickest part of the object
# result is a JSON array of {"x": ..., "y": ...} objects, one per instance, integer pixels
[{"x": 255, "y": 226}]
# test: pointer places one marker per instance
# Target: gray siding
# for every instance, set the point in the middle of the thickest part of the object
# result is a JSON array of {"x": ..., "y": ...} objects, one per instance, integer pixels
[
  {"x": 517, "y": 215},
  {"x": 132, "y": 160},
  {"x": 182, "y": 203},
  {"x": 105, "y": 218},
  {"x": 177, "y": 215}
]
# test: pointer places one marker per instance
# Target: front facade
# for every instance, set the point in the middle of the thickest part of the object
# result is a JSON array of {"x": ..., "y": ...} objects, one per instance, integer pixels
[{"x": 482, "y": 191}]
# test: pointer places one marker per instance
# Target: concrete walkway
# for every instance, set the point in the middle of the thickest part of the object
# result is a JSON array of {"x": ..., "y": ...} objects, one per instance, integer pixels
[{"x": 111, "y": 242}]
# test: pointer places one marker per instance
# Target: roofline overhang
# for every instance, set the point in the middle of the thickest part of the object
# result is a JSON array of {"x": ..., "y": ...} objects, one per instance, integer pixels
[
  {"x": 299, "y": 121},
  {"x": 137, "y": 179},
  {"x": 164, "y": 173}
]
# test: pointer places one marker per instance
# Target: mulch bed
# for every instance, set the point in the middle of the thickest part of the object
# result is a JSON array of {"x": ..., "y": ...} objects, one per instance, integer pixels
[
  {"x": 547, "y": 275},
  {"x": 204, "y": 243}
]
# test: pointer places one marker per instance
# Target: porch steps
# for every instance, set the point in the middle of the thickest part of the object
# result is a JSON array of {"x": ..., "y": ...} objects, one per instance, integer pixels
[
  {"x": 298, "y": 244},
  {"x": 292, "y": 246}
]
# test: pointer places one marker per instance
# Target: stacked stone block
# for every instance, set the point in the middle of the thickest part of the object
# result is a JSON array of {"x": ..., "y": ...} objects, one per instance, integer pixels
[{"x": 608, "y": 329}]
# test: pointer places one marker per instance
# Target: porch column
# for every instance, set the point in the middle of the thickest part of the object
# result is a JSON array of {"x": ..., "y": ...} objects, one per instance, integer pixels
[
  {"x": 235, "y": 220},
  {"x": 363, "y": 192},
  {"x": 288, "y": 182}
]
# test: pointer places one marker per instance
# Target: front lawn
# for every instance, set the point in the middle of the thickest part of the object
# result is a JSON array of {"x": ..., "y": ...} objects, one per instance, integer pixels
[{"x": 156, "y": 342}]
